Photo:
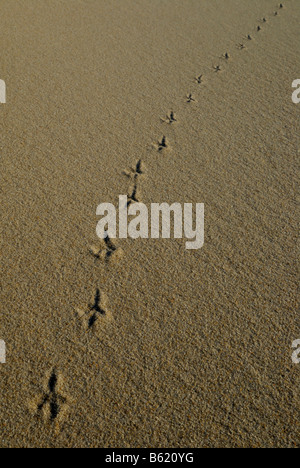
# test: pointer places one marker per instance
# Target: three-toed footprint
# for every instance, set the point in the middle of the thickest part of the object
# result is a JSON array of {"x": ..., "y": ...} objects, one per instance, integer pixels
[
  {"x": 53, "y": 404},
  {"x": 106, "y": 250},
  {"x": 96, "y": 313}
]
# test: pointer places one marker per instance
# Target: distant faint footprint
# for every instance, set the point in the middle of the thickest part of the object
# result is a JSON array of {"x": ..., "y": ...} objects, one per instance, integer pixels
[
  {"x": 190, "y": 98},
  {"x": 135, "y": 174},
  {"x": 199, "y": 79},
  {"x": 170, "y": 118}
]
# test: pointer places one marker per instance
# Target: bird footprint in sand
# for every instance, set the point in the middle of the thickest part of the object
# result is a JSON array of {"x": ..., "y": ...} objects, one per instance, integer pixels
[
  {"x": 163, "y": 144},
  {"x": 135, "y": 174},
  {"x": 137, "y": 171},
  {"x": 190, "y": 98},
  {"x": 96, "y": 311},
  {"x": 134, "y": 195},
  {"x": 199, "y": 79},
  {"x": 106, "y": 250},
  {"x": 53, "y": 403},
  {"x": 170, "y": 119}
]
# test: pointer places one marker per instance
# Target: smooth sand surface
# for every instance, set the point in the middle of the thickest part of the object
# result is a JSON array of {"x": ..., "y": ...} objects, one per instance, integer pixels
[{"x": 195, "y": 347}]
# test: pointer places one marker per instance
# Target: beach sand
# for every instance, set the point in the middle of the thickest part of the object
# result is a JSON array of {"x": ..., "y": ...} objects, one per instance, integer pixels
[{"x": 194, "y": 348}]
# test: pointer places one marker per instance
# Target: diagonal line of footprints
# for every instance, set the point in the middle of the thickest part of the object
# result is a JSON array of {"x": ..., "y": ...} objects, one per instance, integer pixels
[
  {"x": 107, "y": 250},
  {"x": 53, "y": 401}
]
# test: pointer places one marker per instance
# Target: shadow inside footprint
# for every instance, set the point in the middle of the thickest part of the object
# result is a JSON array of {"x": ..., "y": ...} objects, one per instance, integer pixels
[
  {"x": 162, "y": 144},
  {"x": 106, "y": 250},
  {"x": 53, "y": 401},
  {"x": 96, "y": 309},
  {"x": 190, "y": 98}
]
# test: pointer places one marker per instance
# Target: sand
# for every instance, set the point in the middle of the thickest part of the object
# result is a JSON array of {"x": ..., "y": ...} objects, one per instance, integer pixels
[{"x": 194, "y": 348}]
